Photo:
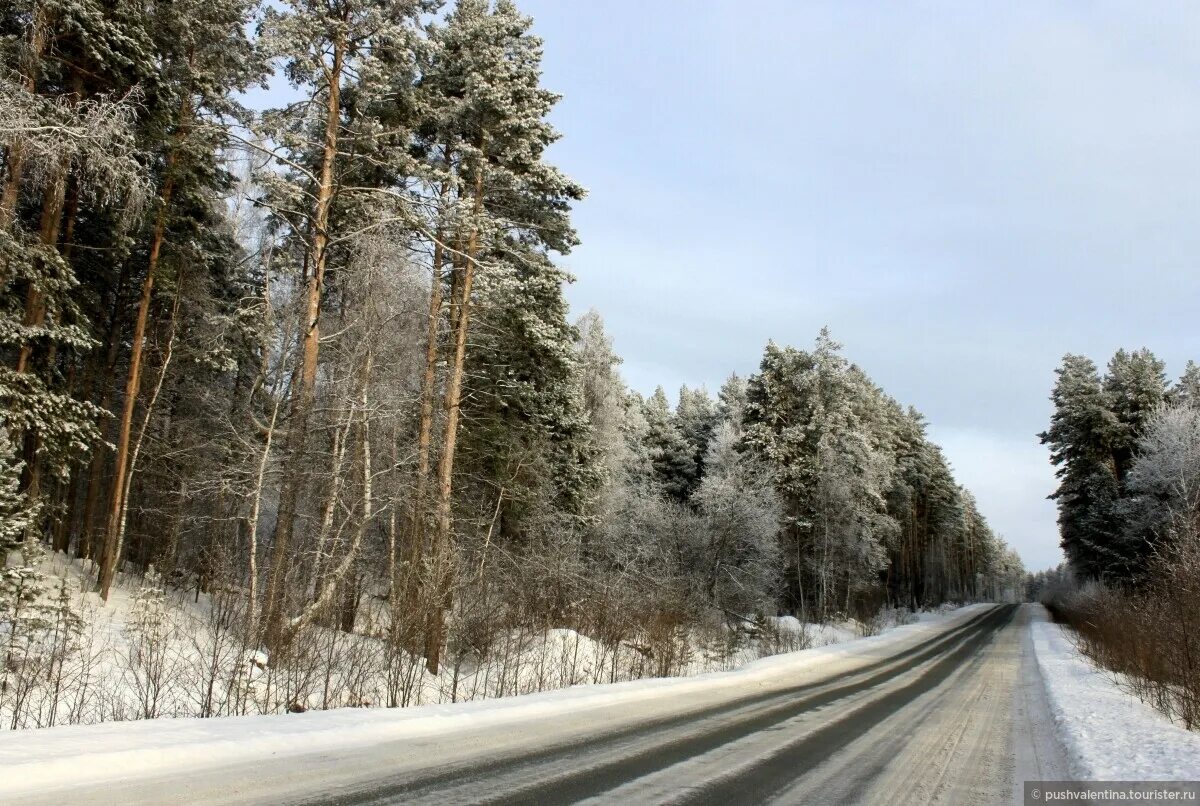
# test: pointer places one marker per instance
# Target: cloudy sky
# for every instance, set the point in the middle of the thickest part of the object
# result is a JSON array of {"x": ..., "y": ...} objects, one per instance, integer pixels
[{"x": 962, "y": 192}]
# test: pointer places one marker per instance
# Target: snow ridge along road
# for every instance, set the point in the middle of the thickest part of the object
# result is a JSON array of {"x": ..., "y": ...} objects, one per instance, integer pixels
[{"x": 953, "y": 719}]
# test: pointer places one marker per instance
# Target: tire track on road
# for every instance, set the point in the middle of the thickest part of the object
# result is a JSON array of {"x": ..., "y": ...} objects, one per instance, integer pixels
[{"x": 771, "y": 776}]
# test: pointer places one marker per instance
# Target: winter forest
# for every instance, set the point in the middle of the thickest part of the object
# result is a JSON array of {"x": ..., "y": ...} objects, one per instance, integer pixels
[{"x": 296, "y": 392}]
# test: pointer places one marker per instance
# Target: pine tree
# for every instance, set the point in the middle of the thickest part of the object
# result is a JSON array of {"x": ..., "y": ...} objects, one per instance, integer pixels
[
  {"x": 324, "y": 47},
  {"x": 1134, "y": 386},
  {"x": 204, "y": 58},
  {"x": 505, "y": 210},
  {"x": 1082, "y": 431}
]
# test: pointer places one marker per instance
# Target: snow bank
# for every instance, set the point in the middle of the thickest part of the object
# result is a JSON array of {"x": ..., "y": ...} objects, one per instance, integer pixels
[
  {"x": 71, "y": 755},
  {"x": 1108, "y": 733}
]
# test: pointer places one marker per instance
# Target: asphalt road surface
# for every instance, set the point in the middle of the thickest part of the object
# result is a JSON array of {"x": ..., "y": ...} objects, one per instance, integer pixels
[{"x": 958, "y": 718}]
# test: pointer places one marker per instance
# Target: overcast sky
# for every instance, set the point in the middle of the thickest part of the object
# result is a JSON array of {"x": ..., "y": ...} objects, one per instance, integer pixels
[{"x": 962, "y": 192}]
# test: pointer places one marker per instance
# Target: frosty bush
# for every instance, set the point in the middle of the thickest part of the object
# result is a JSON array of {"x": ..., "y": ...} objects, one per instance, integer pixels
[
  {"x": 153, "y": 662},
  {"x": 886, "y": 618}
]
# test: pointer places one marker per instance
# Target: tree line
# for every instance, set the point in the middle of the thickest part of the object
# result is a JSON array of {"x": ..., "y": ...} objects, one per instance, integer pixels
[
  {"x": 1127, "y": 447},
  {"x": 1123, "y": 443},
  {"x": 317, "y": 357}
]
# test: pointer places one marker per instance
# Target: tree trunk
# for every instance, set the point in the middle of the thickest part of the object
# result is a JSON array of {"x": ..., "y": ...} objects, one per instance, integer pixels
[
  {"x": 418, "y": 537},
  {"x": 85, "y": 548},
  {"x": 112, "y": 555},
  {"x": 428, "y": 387},
  {"x": 133, "y": 383},
  {"x": 252, "y": 523},
  {"x": 351, "y": 598},
  {"x": 444, "y": 550},
  {"x": 393, "y": 557},
  {"x": 302, "y": 397},
  {"x": 256, "y": 504},
  {"x": 333, "y": 581}
]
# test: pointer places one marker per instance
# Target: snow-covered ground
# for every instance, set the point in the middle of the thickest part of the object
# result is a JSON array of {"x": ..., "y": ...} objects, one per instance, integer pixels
[
  {"x": 70, "y": 755},
  {"x": 155, "y": 653},
  {"x": 1108, "y": 734}
]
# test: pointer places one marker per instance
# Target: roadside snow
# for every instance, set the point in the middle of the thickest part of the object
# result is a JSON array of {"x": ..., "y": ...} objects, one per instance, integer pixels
[
  {"x": 37, "y": 760},
  {"x": 1108, "y": 733}
]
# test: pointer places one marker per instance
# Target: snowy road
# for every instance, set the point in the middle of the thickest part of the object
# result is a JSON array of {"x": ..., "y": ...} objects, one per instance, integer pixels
[{"x": 957, "y": 717}]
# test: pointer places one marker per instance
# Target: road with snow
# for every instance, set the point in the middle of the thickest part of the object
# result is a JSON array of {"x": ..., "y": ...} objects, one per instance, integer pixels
[{"x": 954, "y": 714}]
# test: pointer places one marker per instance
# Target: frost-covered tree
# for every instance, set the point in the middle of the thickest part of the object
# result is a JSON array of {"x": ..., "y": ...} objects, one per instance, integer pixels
[
  {"x": 741, "y": 514},
  {"x": 1164, "y": 483},
  {"x": 731, "y": 401},
  {"x": 329, "y": 51},
  {"x": 602, "y": 390},
  {"x": 809, "y": 415}
]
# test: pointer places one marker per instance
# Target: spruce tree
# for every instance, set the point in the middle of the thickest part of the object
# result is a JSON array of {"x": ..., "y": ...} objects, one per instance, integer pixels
[
  {"x": 1186, "y": 391},
  {"x": 670, "y": 453},
  {"x": 696, "y": 415}
]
